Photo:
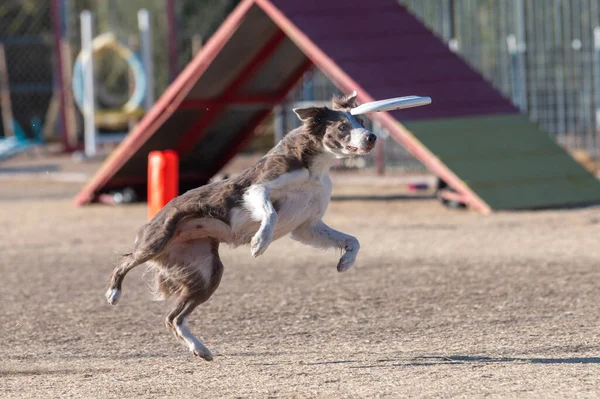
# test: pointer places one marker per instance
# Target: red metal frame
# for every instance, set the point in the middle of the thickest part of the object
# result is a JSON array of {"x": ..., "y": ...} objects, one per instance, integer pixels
[
  {"x": 191, "y": 136},
  {"x": 238, "y": 100},
  {"x": 245, "y": 136},
  {"x": 242, "y": 139},
  {"x": 346, "y": 83}
]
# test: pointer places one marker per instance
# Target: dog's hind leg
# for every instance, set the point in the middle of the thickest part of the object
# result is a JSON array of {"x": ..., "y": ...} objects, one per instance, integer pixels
[
  {"x": 149, "y": 242},
  {"x": 199, "y": 280},
  {"x": 113, "y": 293},
  {"x": 185, "y": 305}
]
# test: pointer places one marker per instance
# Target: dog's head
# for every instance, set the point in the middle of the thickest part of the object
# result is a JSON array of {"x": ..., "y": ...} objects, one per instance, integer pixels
[{"x": 336, "y": 130}]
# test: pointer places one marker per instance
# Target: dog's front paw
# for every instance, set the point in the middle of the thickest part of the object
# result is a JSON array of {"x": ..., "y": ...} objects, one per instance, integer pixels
[{"x": 261, "y": 241}]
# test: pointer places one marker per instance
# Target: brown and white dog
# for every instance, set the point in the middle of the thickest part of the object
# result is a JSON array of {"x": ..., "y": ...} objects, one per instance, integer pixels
[{"x": 286, "y": 191}]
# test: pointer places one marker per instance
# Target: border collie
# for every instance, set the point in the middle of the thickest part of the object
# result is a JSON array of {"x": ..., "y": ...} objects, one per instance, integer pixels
[{"x": 285, "y": 192}]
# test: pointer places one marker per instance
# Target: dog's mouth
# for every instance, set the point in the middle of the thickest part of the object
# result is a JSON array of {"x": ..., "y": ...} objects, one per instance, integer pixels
[{"x": 359, "y": 151}]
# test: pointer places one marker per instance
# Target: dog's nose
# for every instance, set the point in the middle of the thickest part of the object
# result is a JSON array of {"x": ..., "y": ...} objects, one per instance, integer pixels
[{"x": 371, "y": 138}]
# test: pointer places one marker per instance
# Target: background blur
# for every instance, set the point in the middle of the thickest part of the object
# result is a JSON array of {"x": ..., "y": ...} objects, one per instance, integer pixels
[{"x": 539, "y": 53}]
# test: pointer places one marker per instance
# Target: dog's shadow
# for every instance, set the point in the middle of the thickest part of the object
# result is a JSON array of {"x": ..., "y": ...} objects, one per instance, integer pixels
[
  {"x": 482, "y": 360},
  {"x": 375, "y": 198},
  {"x": 423, "y": 361}
]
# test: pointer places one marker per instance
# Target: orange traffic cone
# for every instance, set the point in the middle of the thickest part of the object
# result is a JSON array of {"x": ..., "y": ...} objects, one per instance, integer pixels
[{"x": 163, "y": 179}]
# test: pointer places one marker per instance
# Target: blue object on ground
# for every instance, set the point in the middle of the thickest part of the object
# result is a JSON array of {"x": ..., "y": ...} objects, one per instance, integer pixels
[{"x": 10, "y": 146}]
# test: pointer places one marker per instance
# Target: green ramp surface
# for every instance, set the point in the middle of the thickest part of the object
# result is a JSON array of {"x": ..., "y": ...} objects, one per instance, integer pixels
[{"x": 508, "y": 161}]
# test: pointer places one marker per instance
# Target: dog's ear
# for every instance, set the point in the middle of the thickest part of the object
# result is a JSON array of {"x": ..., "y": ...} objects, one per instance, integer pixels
[
  {"x": 311, "y": 114},
  {"x": 343, "y": 103}
]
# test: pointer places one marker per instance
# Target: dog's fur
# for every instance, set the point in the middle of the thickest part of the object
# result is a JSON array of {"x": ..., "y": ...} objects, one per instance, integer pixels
[{"x": 286, "y": 191}]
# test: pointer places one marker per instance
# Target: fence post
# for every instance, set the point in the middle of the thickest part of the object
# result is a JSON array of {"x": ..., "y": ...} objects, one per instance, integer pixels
[
  {"x": 520, "y": 54},
  {"x": 69, "y": 113},
  {"x": 279, "y": 122},
  {"x": 196, "y": 44},
  {"x": 146, "y": 50},
  {"x": 448, "y": 25},
  {"x": 89, "y": 106},
  {"x": 447, "y": 28},
  {"x": 511, "y": 42},
  {"x": 379, "y": 150},
  {"x": 559, "y": 70},
  {"x": 597, "y": 89},
  {"x": 7, "y": 116},
  {"x": 58, "y": 13},
  {"x": 171, "y": 16},
  {"x": 307, "y": 86}
]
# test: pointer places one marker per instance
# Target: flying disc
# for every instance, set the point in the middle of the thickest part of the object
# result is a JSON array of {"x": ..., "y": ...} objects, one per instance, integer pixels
[{"x": 391, "y": 104}]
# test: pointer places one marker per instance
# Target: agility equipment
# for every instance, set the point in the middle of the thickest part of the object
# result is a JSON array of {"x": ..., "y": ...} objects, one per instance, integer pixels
[
  {"x": 471, "y": 137},
  {"x": 118, "y": 117},
  {"x": 84, "y": 90},
  {"x": 20, "y": 142},
  {"x": 163, "y": 178}
]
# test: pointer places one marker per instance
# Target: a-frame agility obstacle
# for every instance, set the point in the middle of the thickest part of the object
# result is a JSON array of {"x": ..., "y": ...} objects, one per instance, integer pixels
[{"x": 470, "y": 136}]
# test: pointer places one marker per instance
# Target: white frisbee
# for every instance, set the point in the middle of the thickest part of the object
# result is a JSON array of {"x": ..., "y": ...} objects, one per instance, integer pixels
[{"x": 391, "y": 104}]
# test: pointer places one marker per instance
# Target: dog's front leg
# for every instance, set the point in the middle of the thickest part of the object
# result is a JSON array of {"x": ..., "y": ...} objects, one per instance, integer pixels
[
  {"x": 259, "y": 204},
  {"x": 320, "y": 235}
]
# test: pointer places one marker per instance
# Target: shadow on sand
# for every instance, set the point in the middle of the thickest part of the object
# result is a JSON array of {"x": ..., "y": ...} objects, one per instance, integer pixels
[
  {"x": 13, "y": 170},
  {"x": 399, "y": 197},
  {"x": 455, "y": 360}
]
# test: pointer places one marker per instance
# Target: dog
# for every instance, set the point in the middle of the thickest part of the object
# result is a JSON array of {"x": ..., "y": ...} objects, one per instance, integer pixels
[{"x": 286, "y": 192}]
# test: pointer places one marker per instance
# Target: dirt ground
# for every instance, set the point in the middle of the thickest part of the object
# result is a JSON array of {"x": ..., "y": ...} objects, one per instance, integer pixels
[{"x": 441, "y": 303}]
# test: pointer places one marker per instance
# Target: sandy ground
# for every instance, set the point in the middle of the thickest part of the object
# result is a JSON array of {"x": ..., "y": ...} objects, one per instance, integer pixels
[{"x": 441, "y": 303}]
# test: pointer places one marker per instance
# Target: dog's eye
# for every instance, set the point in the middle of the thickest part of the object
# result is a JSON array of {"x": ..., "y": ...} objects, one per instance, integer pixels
[
  {"x": 362, "y": 122},
  {"x": 343, "y": 127}
]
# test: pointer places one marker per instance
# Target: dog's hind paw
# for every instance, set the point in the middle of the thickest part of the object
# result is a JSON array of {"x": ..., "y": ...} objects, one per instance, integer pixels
[
  {"x": 203, "y": 352},
  {"x": 345, "y": 263},
  {"x": 112, "y": 295}
]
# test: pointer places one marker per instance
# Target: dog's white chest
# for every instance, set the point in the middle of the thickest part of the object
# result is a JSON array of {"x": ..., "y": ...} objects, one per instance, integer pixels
[
  {"x": 300, "y": 203},
  {"x": 295, "y": 200}
]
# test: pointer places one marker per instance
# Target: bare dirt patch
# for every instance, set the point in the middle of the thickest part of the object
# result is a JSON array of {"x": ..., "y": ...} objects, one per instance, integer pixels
[{"x": 440, "y": 304}]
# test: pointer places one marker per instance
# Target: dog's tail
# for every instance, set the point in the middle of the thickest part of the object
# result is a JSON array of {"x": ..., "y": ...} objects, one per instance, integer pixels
[
  {"x": 152, "y": 238},
  {"x": 164, "y": 287}
]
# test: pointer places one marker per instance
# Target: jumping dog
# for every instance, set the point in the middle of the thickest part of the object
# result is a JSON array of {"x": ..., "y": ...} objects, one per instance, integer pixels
[{"x": 286, "y": 192}]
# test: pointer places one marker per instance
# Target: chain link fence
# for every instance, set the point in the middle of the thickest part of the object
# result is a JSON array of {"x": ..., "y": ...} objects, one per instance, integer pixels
[
  {"x": 27, "y": 65},
  {"x": 539, "y": 53}
]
